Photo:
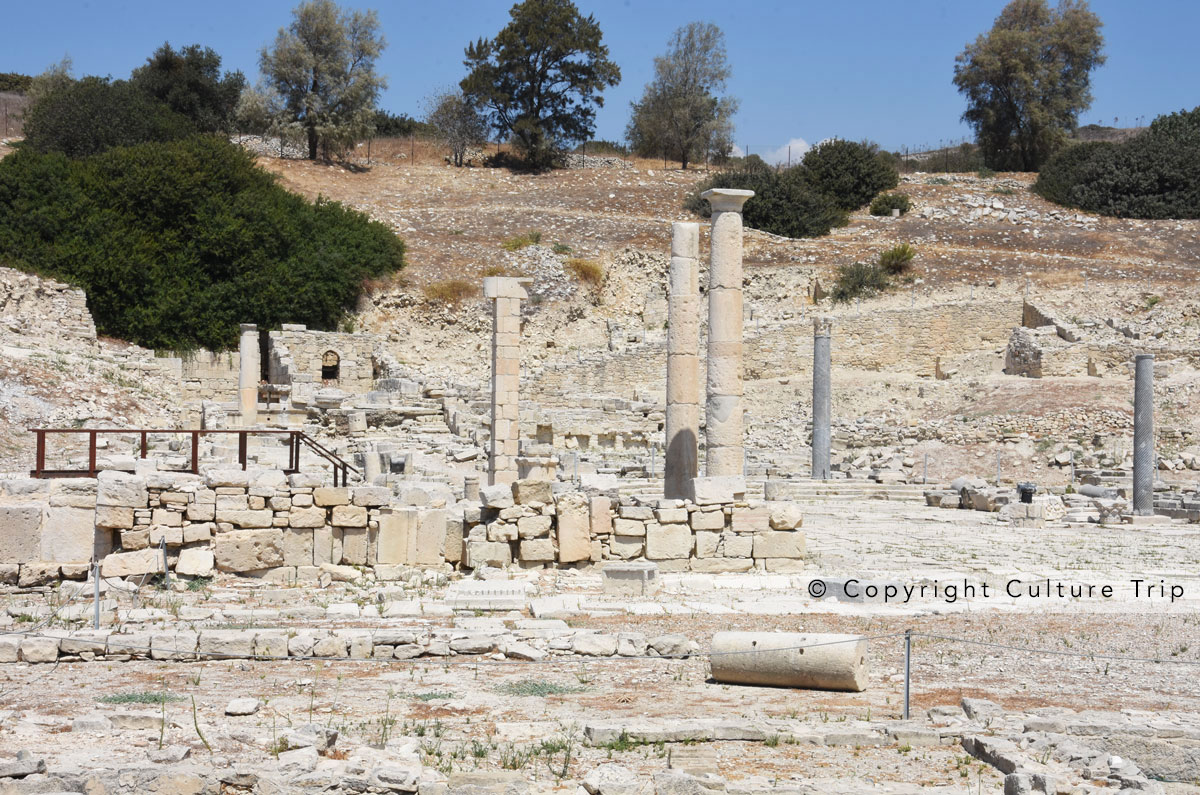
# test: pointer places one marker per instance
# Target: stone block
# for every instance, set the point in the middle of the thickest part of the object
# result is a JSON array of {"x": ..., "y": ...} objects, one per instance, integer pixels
[
  {"x": 601, "y": 515},
  {"x": 355, "y": 545},
  {"x": 718, "y": 489},
  {"x": 671, "y": 515},
  {"x": 629, "y": 527},
  {"x": 201, "y": 511},
  {"x": 69, "y": 535},
  {"x": 637, "y": 578},
  {"x": 533, "y": 527},
  {"x": 145, "y": 561},
  {"x": 529, "y": 490},
  {"x": 39, "y": 650},
  {"x": 306, "y": 517},
  {"x": 327, "y": 546},
  {"x": 412, "y": 536},
  {"x": 112, "y": 517},
  {"x": 135, "y": 539},
  {"x": 707, "y": 543},
  {"x": 721, "y": 565},
  {"x": 737, "y": 546},
  {"x": 246, "y": 519},
  {"x": 501, "y": 531},
  {"x": 756, "y": 519},
  {"x": 372, "y": 496},
  {"x": 167, "y": 518},
  {"x": 248, "y": 550},
  {"x": 708, "y": 520},
  {"x": 227, "y": 478},
  {"x": 499, "y": 495},
  {"x": 327, "y": 496},
  {"x": 195, "y": 562},
  {"x": 297, "y": 546},
  {"x": 785, "y": 516},
  {"x": 349, "y": 516},
  {"x": 779, "y": 544},
  {"x": 37, "y": 573},
  {"x": 20, "y": 533},
  {"x": 490, "y": 553},
  {"x": 626, "y": 547},
  {"x": 537, "y": 550},
  {"x": 669, "y": 542},
  {"x": 574, "y": 527},
  {"x": 158, "y": 533},
  {"x": 193, "y": 533},
  {"x": 121, "y": 490}
]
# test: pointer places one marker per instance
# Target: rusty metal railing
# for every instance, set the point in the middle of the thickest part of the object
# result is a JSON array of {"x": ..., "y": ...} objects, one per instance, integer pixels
[{"x": 296, "y": 441}]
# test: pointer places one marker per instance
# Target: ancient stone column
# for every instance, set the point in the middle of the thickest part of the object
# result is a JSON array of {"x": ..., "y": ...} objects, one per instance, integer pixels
[
  {"x": 791, "y": 659},
  {"x": 506, "y": 294},
  {"x": 821, "y": 410},
  {"x": 683, "y": 363},
  {"x": 1143, "y": 435},
  {"x": 723, "y": 410},
  {"x": 249, "y": 374}
]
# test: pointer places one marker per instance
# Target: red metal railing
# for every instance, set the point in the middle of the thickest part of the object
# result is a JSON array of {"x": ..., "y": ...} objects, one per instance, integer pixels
[{"x": 296, "y": 440}]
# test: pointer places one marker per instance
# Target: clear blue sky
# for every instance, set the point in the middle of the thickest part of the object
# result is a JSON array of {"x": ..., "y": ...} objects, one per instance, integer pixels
[{"x": 878, "y": 69}]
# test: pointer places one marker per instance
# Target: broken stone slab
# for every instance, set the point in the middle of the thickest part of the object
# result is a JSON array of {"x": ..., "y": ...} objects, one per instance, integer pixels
[
  {"x": 24, "y": 765},
  {"x": 312, "y": 735},
  {"x": 718, "y": 489},
  {"x": 487, "y": 595},
  {"x": 594, "y": 644},
  {"x": 603, "y": 732},
  {"x": 996, "y": 751},
  {"x": 243, "y": 706},
  {"x": 612, "y": 779}
]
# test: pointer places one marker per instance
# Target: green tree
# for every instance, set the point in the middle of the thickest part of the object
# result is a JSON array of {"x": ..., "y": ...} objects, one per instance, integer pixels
[
  {"x": 680, "y": 113},
  {"x": 457, "y": 121},
  {"x": 94, "y": 114},
  {"x": 541, "y": 78},
  {"x": 190, "y": 82},
  {"x": 1028, "y": 79},
  {"x": 849, "y": 173},
  {"x": 15, "y": 82},
  {"x": 322, "y": 71}
]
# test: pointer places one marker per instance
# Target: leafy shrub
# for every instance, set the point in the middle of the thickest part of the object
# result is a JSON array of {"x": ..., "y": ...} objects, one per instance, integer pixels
[
  {"x": 586, "y": 271},
  {"x": 530, "y": 238},
  {"x": 450, "y": 291},
  {"x": 896, "y": 260},
  {"x": 177, "y": 243},
  {"x": 389, "y": 125},
  {"x": 92, "y": 115},
  {"x": 858, "y": 280},
  {"x": 15, "y": 82},
  {"x": 783, "y": 202},
  {"x": 1152, "y": 175},
  {"x": 850, "y": 173},
  {"x": 189, "y": 82},
  {"x": 602, "y": 149},
  {"x": 884, "y": 203}
]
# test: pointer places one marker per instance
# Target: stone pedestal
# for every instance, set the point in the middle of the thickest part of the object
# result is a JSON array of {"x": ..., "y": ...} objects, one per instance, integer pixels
[
  {"x": 822, "y": 408},
  {"x": 1143, "y": 435},
  {"x": 506, "y": 295},
  {"x": 723, "y": 410},
  {"x": 683, "y": 363},
  {"x": 249, "y": 374}
]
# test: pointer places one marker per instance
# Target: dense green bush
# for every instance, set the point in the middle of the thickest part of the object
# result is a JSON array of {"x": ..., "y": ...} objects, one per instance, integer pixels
[
  {"x": 850, "y": 173},
  {"x": 783, "y": 202},
  {"x": 189, "y": 82},
  {"x": 177, "y": 243},
  {"x": 1152, "y": 175},
  {"x": 88, "y": 116},
  {"x": 858, "y": 280},
  {"x": 884, "y": 203},
  {"x": 389, "y": 125}
]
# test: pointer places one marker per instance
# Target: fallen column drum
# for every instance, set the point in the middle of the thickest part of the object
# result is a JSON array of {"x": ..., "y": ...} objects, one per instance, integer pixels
[{"x": 791, "y": 659}]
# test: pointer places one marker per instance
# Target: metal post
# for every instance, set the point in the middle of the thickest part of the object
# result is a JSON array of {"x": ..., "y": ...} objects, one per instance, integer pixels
[
  {"x": 242, "y": 448},
  {"x": 143, "y": 444},
  {"x": 195, "y": 452},
  {"x": 96, "y": 594},
  {"x": 41, "y": 453},
  {"x": 166, "y": 572},
  {"x": 997, "y": 468},
  {"x": 92, "y": 454},
  {"x": 1143, "y": 435},
  {"x": 925, "y": 470},
  {"x": 907, "y": 669},
  {"x": 1072, "y": 466}
]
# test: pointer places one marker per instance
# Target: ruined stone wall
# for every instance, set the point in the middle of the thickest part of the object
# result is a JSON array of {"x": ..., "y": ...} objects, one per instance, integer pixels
[
  {"x": 210, "y": 376},
  {"x": 297, "y": 355},
  {"x": 36, "y": 307}
]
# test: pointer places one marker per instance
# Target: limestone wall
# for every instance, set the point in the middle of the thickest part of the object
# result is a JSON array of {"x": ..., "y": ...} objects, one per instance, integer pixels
[
  {"x": 36, "y": 307},
  {"x": 297, "y": 354},
  {"x": 210, "y": 376}
]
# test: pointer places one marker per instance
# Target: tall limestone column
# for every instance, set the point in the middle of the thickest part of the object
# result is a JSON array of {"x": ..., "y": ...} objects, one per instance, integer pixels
[
  {"x": 249, "y": 374},
  {"x": 821, "y": 412},
  {"x": 723, "y": 412},
  {"x": 506, "y": 293},
  {"x": 1143, "y": 435},
  {"x": 683, "y": 363}
]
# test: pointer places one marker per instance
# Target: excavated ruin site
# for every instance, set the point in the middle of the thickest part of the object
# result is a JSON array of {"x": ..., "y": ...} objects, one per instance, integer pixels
[{"x": 519, "y": 528}]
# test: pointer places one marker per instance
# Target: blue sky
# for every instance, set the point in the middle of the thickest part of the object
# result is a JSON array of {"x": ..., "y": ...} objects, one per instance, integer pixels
[{"x": 804, "y": 71}]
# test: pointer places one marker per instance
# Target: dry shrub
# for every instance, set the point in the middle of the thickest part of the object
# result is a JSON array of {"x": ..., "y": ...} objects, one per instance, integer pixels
[
  {"x": 495, "y": 270},
  {"x": 530, "y": 238},
  {"x": 586, "y": 271},
  {"x": 450, "y": 291}
]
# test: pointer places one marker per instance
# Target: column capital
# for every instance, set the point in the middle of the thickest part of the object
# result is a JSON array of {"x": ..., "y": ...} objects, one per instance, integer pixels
[
  {"x": 506, "y": 287},
  {"x": 726, "y": 199},
  {"x": 822, "y": 326},
  {"x": 247, "y": 327}
]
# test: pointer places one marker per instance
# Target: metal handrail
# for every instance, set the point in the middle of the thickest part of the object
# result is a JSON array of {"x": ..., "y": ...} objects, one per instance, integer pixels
[{"x": 341, "y": 468}]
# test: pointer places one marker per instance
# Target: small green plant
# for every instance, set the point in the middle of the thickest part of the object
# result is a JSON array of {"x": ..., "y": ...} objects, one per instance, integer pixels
[
  {"x": 530, "y": 238},
  {"x": 514, "y": 758},
  {"x": 143, "y": 697},
  {"x": 433, "y": 695},
  {"x": 1004, "y": 191},
  {"x": 858, "y": 280},
  {"x": 897, "y": 259},
  {"x": 937, "y": 181},
  {"x": 561, "y": 248},
  {"x": 884, "y": 203},
  {"x": 771, "y": 740},
  {"x": 1152, "y": 301},
  {"x": 199, "y": 583},
  {"x": 585, "y": 270},
  {"x": 537, "y": 687}
]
